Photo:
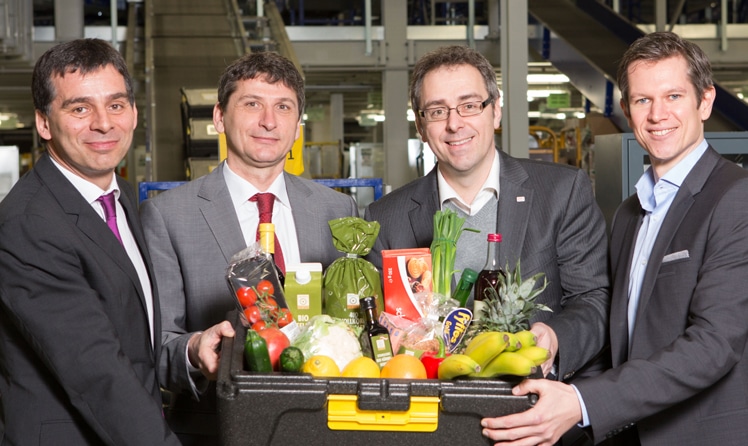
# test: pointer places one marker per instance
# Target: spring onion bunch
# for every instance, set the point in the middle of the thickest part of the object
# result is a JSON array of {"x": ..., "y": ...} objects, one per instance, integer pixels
[{"x": 447, "y": 230}]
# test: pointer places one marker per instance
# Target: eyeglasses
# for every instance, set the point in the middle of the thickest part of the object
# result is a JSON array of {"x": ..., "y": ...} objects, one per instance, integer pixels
[{"x": 464, "y": 110}]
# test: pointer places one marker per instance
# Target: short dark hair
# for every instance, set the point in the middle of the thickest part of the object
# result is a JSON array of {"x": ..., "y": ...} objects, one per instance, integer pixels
[
  {"x": 270, "y": 65},
  {"x": 451, "y": 56},
  {"x": 81, "y": 55},
  {"x": 662, "y": 45}
]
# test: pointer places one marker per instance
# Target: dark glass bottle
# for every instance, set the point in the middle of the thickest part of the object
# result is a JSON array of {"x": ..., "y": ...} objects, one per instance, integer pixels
[
  {"x": 488, "y": 277},
  {"x": 465, "y": 286},
  {"x": 375, "y": 338}
]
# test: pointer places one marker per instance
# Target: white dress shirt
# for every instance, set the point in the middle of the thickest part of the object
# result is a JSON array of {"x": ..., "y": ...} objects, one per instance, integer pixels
[
  {"x": 242, "y": 190},
  {"x": 489, "y": 190}
]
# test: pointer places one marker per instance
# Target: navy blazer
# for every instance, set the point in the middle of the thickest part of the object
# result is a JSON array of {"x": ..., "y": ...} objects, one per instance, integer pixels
[{"x": 76, "y": 358}]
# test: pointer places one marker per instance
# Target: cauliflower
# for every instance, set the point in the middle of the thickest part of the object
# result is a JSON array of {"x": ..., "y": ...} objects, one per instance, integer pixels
[{"x": 333, "y": 337}]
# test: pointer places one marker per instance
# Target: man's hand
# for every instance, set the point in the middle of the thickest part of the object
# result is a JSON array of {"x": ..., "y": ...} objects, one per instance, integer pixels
[
  {"x": 203, "y": 348},
  {"x": 556, "y": 411},
  {"x": 548, "y": 340}
]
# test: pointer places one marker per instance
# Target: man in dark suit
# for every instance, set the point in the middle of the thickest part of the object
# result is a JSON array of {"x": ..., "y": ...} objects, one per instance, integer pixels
[
  {"x": 193, "y": 230},
  {"x": 678, "y": 331},
  {"x": 546, "y": 212},
  {"x": 80, "y": 328}
]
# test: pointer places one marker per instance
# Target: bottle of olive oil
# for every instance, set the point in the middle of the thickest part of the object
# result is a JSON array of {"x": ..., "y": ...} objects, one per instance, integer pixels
[{"x": 375, "y": 338}]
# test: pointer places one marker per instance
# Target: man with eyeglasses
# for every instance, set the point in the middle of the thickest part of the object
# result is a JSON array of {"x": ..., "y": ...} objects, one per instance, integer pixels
[{"x": 545, "y": 212}]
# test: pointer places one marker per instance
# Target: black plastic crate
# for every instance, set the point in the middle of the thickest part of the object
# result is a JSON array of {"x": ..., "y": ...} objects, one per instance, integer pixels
[{"x": 288, "y": 409}]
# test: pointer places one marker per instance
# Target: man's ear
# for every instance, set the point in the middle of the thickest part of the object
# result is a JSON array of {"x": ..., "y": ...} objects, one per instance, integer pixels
[{"x": 42, "y": 125}]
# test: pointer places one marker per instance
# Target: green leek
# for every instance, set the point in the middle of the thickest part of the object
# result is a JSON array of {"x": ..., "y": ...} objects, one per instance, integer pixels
[{"x": 447, "y": 230}]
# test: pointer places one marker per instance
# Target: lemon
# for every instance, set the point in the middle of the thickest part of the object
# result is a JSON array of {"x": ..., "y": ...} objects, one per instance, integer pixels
[
  {"x": 361, "y": 367},
  {"x": 321, "y": 365}
]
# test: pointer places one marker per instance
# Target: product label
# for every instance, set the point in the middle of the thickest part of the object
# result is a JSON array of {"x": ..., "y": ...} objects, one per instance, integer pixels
[
  {"x": 302, "y": 301},
  {"x": 454, "y": 327},
  {"x": 381, "y": 349},
  {"x": 352, "y": 301}
]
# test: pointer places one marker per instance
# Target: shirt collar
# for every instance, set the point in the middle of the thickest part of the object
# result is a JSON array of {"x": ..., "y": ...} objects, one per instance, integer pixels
[
  {"x": 89, "y": 190},
  {"x": 241, "y": 190},
  {"x": 675, "y": 176},
  {"x": 490, "y": 186}
]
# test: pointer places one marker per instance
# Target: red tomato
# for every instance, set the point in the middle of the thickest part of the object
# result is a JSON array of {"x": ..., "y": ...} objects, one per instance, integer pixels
[
  {"x": 285, "y": 317},
  {"x": 277, "y": 341},
  {"x": 246, "y": 296},
  {"x": 253, "y": 314},
  {"x": 265, "y": 288},
  {"x": 259, "y": 326}
]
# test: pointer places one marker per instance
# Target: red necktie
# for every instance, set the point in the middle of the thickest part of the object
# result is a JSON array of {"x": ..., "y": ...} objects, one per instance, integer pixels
[
  {"x": 110, "y": 213},
  {"x": 265, "y": 203}
]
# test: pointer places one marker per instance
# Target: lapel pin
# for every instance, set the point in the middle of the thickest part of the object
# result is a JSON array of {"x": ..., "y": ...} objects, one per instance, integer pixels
[{"x": 520, "y": 199}]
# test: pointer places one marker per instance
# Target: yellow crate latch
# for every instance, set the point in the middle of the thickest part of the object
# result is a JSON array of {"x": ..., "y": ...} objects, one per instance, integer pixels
[{"x": 343, "y": 414}]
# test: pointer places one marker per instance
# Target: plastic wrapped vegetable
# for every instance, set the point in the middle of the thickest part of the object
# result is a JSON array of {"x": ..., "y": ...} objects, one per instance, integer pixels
[
  {"x": 328, "y": 336},
  {"x": 350, "y": 278}
]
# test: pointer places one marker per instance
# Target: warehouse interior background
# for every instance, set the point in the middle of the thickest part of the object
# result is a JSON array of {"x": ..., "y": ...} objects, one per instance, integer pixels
[{"x": 555, "y": 61}]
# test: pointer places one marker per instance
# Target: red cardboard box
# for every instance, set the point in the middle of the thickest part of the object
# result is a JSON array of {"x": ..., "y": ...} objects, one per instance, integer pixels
[{"x": 405, "y": 272}]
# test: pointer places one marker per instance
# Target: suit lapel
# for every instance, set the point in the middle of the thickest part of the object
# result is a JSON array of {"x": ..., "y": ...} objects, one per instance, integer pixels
[
  {"x": 515, "y": 203},
  {"x": 425, "y": 204},
  {"x": 305, "y": 219},
  {"x": 219, "y": 213},
  {"x": 127, "y": 200},
  {"x": 83, "y": 216},
  {"x": 622, "y": 243}
]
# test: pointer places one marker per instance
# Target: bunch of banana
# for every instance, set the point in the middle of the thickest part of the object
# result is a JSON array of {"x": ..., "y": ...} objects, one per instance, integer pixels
[
  {"x": 504, "y": 353},
  {"x": 457, "y": 365}
]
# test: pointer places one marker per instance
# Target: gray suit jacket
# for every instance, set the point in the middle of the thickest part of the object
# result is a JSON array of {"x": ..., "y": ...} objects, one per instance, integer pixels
[
  {"x": 684, "y": 380},
  {"x": 556, "y": 228},
  {"x": 76, "y": 358},
  {"x": 192, "y": 232}
]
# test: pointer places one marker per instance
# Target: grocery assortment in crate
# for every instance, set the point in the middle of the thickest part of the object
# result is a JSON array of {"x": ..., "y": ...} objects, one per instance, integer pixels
[{"x": 397, "y": 376}]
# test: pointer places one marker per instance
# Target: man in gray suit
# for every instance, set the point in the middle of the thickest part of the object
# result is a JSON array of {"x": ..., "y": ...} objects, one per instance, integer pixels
[
  {"x": 679, "y": 312},
  {"x": 545, "y": 212},
  {"x": 194, "y": 230}
]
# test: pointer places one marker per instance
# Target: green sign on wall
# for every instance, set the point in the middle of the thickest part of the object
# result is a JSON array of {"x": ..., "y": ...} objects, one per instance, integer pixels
[{"x": 559, "y": 100}]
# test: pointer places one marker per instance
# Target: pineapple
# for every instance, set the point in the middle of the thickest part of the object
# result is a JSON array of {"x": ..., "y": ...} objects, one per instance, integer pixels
[{"x": 511, "y": 308}]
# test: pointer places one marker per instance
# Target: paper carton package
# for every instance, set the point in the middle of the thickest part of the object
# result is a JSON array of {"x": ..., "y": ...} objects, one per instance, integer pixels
[
  {"x": 405, "y": 273},
  {"x": 304, "y": 291}
]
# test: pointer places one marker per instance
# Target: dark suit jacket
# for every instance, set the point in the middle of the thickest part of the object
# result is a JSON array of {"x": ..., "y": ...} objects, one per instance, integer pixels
[
  {"x": 555, "y": 228},
  {"x": 684, "y": 381},
  {"x": 192, "y": 232},
  {"x": 76, "y": 358}
]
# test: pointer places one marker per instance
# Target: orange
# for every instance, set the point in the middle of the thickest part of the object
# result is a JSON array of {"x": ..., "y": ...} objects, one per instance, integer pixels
[
  {"x": 404, "y": 366},
  {"x": 361, "y": 367},
  {"x": 321, "y": 365}
]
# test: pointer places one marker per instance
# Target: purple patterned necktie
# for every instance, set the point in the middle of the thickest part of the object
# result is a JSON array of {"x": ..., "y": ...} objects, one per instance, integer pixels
[{"x": 110, "y": 213}]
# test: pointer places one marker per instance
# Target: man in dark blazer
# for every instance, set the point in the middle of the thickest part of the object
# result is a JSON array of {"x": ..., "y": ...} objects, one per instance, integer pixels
[
  {"x": 193, "y": 231},
  {"x": 80, "y": 331},
  {"x": 678, "y": 331},
  {"x": 546, "y": 213}
]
